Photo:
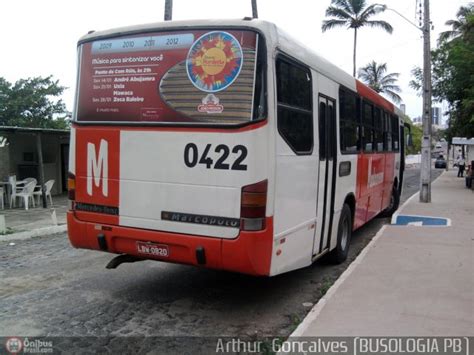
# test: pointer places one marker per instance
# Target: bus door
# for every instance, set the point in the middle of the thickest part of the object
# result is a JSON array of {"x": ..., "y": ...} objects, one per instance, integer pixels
[{"x": 327, "y": 173}]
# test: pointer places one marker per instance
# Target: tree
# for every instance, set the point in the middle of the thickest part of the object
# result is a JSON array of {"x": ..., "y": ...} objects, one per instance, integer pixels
[
  {"x": 453, "y": 74},
  {"x": 33, "y": 102},
  {"x": 354, "y": 14},
  {"x": 375, "y": 76},
  {"x": 454, "y": 79},
  {"x": 417, "y": 82},
  {"x": 459, "y": 25},
  {"x": 438, "y": 134},
  {"x": 416, "y": 134}
]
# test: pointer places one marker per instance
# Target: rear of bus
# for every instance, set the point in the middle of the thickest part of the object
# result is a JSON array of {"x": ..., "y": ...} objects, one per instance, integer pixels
[{"x": 170, "y": 147}]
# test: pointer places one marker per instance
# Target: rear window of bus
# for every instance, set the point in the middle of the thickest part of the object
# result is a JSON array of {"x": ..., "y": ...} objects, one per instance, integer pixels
[{"x": 193, "y": 77}]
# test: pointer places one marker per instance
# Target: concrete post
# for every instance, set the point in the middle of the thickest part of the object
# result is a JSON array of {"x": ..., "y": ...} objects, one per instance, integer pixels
[
  {"x": 425, "y": 174},
  {"x": 41, "y": 167}
]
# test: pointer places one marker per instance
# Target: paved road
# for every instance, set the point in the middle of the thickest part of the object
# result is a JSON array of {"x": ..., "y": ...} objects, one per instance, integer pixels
[{"x": 48, "y": 288}]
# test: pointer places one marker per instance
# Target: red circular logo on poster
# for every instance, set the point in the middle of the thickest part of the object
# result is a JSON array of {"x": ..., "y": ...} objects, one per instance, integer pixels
[{"x": 214, "y": 61}]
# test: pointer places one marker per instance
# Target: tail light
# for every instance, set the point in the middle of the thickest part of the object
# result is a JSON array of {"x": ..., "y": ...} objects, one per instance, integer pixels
[
  {"x": 71, "y": 190},
  {"x": 253, "y": 206}
]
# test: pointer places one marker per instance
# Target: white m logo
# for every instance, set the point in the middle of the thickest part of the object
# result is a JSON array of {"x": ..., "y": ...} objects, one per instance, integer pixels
[{"x": 98, "y": 167}]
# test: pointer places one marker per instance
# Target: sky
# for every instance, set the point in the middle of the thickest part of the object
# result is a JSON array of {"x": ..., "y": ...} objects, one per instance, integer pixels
[{"x": 39, "y": 38}]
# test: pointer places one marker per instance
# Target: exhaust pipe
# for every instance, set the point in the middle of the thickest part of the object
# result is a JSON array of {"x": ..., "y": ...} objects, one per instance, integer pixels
[{"x": 124, "y": 258}]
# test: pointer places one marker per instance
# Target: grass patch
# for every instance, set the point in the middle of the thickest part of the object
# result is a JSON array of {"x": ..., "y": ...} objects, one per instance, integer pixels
[
  {"x": 269, "y": 345},
  {"x": 295, "y": 322},
  {"x": 8, "y": 231},
  {"x": 325, "y": 286}
]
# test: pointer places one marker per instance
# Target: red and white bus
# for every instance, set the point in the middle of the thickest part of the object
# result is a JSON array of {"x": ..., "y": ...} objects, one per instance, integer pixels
[{"x": 225, "y": 144}]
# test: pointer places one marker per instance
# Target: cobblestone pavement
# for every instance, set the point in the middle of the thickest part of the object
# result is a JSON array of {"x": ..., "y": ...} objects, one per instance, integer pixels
[{"x": 48, "y": 288}]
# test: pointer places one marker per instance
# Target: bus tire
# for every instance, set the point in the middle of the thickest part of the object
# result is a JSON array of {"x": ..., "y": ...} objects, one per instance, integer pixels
[
  {"x": 344, "y": 233},
  {"x": 394, "y": 203}
]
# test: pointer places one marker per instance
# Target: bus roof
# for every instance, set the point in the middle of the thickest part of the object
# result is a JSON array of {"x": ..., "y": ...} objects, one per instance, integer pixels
[
  {"x": 279, "y": 38},
  {"x": 264, "y": 26}
]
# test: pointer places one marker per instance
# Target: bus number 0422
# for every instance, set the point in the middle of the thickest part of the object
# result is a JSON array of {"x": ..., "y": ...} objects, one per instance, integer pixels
[{"x": 192, "y": 157}]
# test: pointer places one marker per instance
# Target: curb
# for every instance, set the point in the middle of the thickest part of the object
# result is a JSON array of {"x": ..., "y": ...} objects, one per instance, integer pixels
[
  {"x": 400, "y": 209},
  {"x": 318, "y": 307},
  {"x": 412, "y": 197},
  {"x": 34, "y": 233}
]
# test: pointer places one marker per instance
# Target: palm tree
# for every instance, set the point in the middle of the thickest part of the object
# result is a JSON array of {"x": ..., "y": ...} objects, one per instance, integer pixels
[
  {"x": 459, "y": 26},
  {"x": 417, "y": 82},
  {"x": 375, "y": 76},
  {"x": 354, "y": 14}
]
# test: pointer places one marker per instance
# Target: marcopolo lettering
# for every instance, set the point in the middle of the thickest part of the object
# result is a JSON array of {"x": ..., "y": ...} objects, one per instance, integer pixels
[{"x": 200, "y": 219}]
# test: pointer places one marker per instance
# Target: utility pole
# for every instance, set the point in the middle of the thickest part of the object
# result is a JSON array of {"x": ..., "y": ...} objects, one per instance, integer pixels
[
  {"x": 168, "y": 10},
  {"x": 254, "y": 9},
  {"x": 425, "y": 174}
]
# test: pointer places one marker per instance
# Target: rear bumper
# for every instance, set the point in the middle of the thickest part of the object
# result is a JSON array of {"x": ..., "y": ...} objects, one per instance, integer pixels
[{"x": 249, "y": 253}]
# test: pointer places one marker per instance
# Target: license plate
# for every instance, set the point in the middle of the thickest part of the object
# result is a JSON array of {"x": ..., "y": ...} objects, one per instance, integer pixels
[{"x": 152, "y": 249}]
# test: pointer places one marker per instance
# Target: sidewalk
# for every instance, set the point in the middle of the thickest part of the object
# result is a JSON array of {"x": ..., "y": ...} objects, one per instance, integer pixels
[
  {"x": 36, "y": 221},
  {"x": 409, "y": 281}
]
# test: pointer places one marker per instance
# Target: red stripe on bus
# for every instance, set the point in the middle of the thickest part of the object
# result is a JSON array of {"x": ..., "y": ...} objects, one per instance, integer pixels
[
  {"x": 249, "y": 127},
  {"x": 370, "y": 94},
  {"x": 249, "y": 253},
  {"x": 373, "y": 191}
]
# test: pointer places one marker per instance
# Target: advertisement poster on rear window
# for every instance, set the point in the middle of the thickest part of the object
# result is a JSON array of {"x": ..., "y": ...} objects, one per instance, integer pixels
[{"x": 186, "y": 76}]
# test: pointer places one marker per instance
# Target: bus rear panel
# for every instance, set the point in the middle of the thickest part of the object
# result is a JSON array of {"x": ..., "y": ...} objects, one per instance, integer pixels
[{"x": 169, "y": 149}]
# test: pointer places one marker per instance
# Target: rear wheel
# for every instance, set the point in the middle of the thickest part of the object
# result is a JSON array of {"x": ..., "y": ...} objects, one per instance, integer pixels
[
  {"x": 344, "y": 233},
  {"x": 393, "y": 205}
]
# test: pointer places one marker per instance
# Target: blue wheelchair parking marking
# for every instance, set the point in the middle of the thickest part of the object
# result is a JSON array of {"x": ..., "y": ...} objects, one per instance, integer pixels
[{"x": 407, "y": 220}]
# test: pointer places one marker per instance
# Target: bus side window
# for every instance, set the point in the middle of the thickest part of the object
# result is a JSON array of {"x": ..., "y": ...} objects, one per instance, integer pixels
[
  {"x": 322, "y": 131},
  {"x": 387, "y": 132},
  {"x": 295, "y": 108},
  {"x": 378, "y": 124},
  {"x": 349, "y": 122},
  {"x": 395, "y": 133},
  {"x": 260, "y": 104},
  {"x": 368, "y": 126}
]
